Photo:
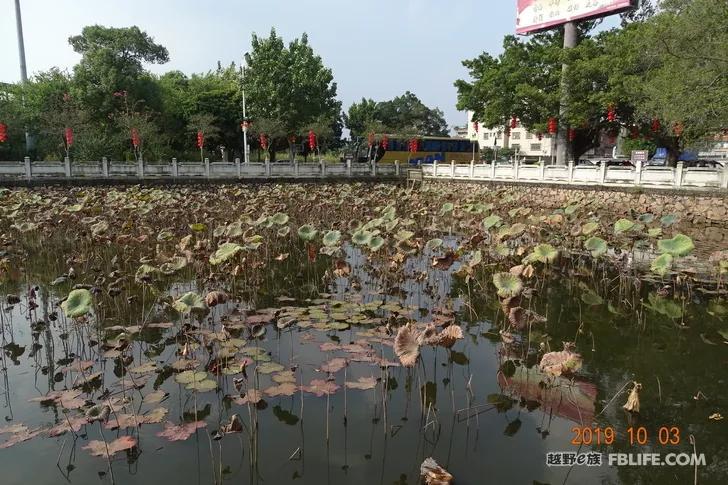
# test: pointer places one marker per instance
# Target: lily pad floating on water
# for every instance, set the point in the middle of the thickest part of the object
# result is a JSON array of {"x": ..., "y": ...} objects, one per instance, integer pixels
[
  {"x": 596, "y": 245},
  {"x": 447, "y": 207},
  {"x": 225, "y": 252},
  {"x": 376, "y": 243},
  {"x": 589, "y": 227},
  {"x": 680, "y": 245},
  {"x": 77, "y": 304},
  {"x": 433, "y": 243},
  {"x": 668, "y": 220},
  {"x": 101, "y": 448},
  {"x": 279, "y": 218},
  {"x": 174, "y": 432},
  {"x": 508, "y": 285},
  {"x": 361, "y": 237},
  {"x": 491, "y": 221},
  {"x": 307, "y": 232},
  {"x": 545, "y": 253}
]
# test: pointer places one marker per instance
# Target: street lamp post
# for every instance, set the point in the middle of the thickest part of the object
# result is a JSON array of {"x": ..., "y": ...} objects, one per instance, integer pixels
[
  {"x": 23, "y": 68},
  {"x": 245, "y": 119}
]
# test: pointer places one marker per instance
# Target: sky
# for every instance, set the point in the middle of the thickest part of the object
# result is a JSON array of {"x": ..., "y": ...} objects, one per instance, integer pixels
[{"x": 376, "y": 49}]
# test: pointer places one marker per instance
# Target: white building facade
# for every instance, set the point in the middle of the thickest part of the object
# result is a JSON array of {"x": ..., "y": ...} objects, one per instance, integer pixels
[{"x": 522, "y": 141}]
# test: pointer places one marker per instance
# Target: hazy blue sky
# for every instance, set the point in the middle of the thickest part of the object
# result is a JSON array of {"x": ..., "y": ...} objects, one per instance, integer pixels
[{"x": 376, "y": 48}]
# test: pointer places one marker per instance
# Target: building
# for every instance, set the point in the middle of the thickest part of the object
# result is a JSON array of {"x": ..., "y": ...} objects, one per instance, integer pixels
[
  {"x": 524, "y": 143},
  {"x": 461, "y": 131}
]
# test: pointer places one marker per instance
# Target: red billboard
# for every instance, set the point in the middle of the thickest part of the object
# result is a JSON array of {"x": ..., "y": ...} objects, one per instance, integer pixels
[{"x": 535, "y": 15}]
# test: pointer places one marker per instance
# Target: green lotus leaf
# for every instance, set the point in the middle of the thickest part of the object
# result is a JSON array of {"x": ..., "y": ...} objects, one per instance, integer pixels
[
  {"x": 623, "y": 225},
  {"x": 664, "y": 306},
  {"x": 389, "y": 226},
  {"x": 502, "y": 250},
  {"x": 447, "y": 207},
  {"x": 589, "y": 227},
  {"x": 332, "y": 238},
  {"x": 77, "y": 304},
  {"x": 99, "y": 228},
  {"x": 491, "y": 221},
  {"x": 403, "y": 235},
  {"x": 545, "y": 253},
  {"x": 269, "y": 367},
  {"x": 646, "y": 218},
  {"x": 284, "y": 231},
  {"x": 361, "y": 237},
  {"x": 569, "y": 210},
  {"x": 165, "y": 235},
  {"x": 668, "y": 220},
  {"x": 433, "y": 243},
  {"x": 146, "y": 273},
  {"x": 198, "y": 227},
  {"x": 508, "y": 284},
  {"x": 26, "y": 226},
  {"x": 591, "y": 298},
  {"x": 189, "y": 302},
  {"x": 74, "y": 208},
  {"x": 596, "y": 245},
  {"x": 680, "y": 245},
  {"x": 662, "y": 264},
  {"x": 279, "y": 218},
  {"x": 654, "y": 232},
  {"x": 175, "y": 264},
  {"x": 234, "y": 230},
  {"x": 376, "y": 243},
  {"x": 225, "y": 252},
  {"x": 307, "y": 232},
  {"x": 202, "y": 386}
]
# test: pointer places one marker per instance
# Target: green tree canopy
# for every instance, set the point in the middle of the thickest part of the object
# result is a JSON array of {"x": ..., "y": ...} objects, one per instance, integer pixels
[{"x": 404, "y": 114}]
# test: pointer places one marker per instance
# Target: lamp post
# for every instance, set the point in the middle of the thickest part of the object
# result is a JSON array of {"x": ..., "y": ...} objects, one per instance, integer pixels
[
  {"x": 23, "y": 68},
  {"x": 245, "y": 118}
]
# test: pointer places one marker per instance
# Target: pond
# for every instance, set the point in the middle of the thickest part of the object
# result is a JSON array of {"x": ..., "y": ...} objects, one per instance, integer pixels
[{"x": 342, "y": 334}]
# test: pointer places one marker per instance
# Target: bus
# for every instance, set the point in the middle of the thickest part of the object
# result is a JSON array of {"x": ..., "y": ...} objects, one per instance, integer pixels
[{"x": 441, "y": 149}]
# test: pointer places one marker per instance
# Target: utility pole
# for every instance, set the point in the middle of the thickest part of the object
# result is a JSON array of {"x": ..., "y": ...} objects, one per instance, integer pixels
[
  {"x": 562, "y": 142},
  {"x": 245, "y": 119},
  {"x": 23, "y": 68}
]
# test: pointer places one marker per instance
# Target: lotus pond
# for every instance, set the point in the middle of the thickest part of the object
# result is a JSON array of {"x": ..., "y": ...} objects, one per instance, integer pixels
[{"x": 342, "y": 334}]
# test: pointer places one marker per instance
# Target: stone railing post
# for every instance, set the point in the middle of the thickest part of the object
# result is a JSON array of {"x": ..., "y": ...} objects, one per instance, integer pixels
[
  {"x": 267, "y": 168},
  {"x": 175, "y": 168},
  {"x": 571, "y": 171},
  {"x": 348, "y": 168},
  {"x": 434, "y": 168},
  {"x": 638, "y": 172},
  {"x": 28, "y": 168},
  {"x": 541, "y": 170},
  {"x": 679, "y": 174},
  {"x": 322, "y": 168},
  {"x": 396, "y": 168},
  {"x": 238, "y": 168},
  {"x": 472, "y": 169},
  {"x": 207, "y": 167},
  {"x": 140, "y": 168},
  {"x": 67, "y": 166},
  {"x": 105, "y": 167},
  {"x": 602, "y": 173},
  {"x": 515, "y": 168},
  {"x": 452, "y": 168},
  {"x": 295, "y": 168},
  {"x": 374, "y": 168},
  {"x": 492, "y": 170},
  {"x": 724, "y": 182}
]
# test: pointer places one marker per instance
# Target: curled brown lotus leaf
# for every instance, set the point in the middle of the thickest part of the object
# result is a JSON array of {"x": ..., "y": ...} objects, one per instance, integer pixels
[
  {"x": 405, "y": 345},
  {"x": 508, "y": 303},
  {"x": 633, "y": 400},
  {"x": 234, "y": 426},
  {"x": 215, "y": 298},
  {"x": 565, "y": 362},
  {"x": 342, "y": 268},
  {"x": 333, "y": 365},
  {"x": 520, "y": 317},
  {"x": 174, "y": 432},
  {"x": 428, "y": 336},
  {"x": 320, "y": 387},
  {"x": 434, "y": 474},
  {"x": 283, "y": 389},
  {"x": 252, "y": 396},
  {"x": 101, "y": 448},
  {"x": 449, "y": 336}
]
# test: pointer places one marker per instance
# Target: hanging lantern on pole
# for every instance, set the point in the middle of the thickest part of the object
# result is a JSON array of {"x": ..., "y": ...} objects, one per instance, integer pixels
[
  {"x": 263, "y": 141},
  {"x": 611, "y": 113},
  {"x": 200, "y": 140},
  {"x": 571, "y": 134},
  {"x": 311, "y": 140},
  {"x": 539, "y": 135},
  {"x": 385, "y": 142},
  {"x": 135, "y": 140},
  {"x": 655, "y": 125},
  {"x": 553, "y": 126},
  {"x": 514, "y": 121},
  {"x": 3, "y": 132},
  {"x": 68, "y": 135}
]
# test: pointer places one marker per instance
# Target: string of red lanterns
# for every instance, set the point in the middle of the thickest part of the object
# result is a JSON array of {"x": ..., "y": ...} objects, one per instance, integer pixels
[
  {"x": 311, "y": 140},
  {"x": 552, "y": 126},
  {"x": 571, "y": 134},
  {"x": 3, "y": 132},
  {"x": 655, "y": 125},
  {"x": 514, "y": 121},
  {"x": 263, "y": 141},
  {"x": 200, "y": 140},
  {"x": 68, "y": 135},
  {"x": 611, "y": 113},
  {"x": 135, "y": 140},
  {"x": 385, "y": 142},
  {"x": 414, "y": 145}
]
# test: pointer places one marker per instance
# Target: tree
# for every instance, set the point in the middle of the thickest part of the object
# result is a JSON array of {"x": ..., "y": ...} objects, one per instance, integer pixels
[
  {"x": 203, "y": 124},
  {"x": 111, "y": 61},
  {"x": 360, "y": 116},
  {"x": 289, "y": 84}
]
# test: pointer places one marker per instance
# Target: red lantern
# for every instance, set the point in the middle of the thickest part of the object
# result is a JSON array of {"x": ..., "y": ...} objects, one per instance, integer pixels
[
  {"x": 514, "y": 121},
  {"x": 311, "y": 140},
  {"x": 553, "y": 126},
  {"x": 611, "y": 113},
  {"x": 678, "y": 129},
  {"x": 572, "y": 134},
  {"x": 370, "y": 139},
  {"x": 385, "y": 142},
  {"x": 135, "y": 140},
  {"x": 539, "y": 135},
  {"x": 475, "y": 126},
  {"x": 69, "y": 137},
  {"x": 263, "y": 141},
  {"x": 414, "y": 145},
  {"x": 3, "y": 132},
  {"x": 200, "y": 139},
  {"x": 655, "y": 125}
]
